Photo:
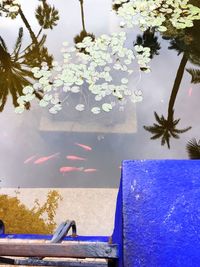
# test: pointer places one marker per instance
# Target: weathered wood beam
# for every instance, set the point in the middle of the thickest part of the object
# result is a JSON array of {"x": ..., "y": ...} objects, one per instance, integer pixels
[
  {"x": 67, "y": 263},
  {"x": 67, "y": 250}
]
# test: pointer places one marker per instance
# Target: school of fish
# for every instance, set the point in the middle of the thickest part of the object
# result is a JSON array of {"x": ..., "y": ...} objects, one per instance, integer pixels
[{"x": 64, "y": 169}]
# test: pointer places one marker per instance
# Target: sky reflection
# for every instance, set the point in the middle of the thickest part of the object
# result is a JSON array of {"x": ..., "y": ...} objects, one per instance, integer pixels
[{"x": 113, "y": 137}]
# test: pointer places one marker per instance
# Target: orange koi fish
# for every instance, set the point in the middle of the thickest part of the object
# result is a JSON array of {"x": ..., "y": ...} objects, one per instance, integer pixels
[
  {"x": 190, "y": 91},
  {"x": 87, "y": 148},
  {"x": 90, "y": 170},
  {"x": 44, "y": 159},
  {"x": 29, "y": 159},
  {"x": 70, "y": 169},
  {"x": 72, "y": 157}
]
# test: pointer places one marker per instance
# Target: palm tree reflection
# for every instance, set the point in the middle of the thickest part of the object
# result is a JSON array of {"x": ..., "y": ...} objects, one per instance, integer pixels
[
  {"x": 79, "y": 38},
  {"x": 15, "y": 67},
  {"x": 37, "y": 52},
  {"x": 148, "y": 39},
  {"x": 187, "y": 42},
  {"x": 166, "y": 128},
  {"x": 195, "y": 73},
  {"x": 13, "y": 74},
  {"x": 115, "y": 7},
  {"x": 46, "y": 15},
  {"x": 193, "y": 149}
]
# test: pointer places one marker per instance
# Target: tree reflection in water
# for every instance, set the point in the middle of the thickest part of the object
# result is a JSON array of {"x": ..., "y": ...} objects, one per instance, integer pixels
[
  {"x": 195, "y": 73},
  {"x": 14, "y": 75},
  {"x": 36, "y": 52},
  {"x": 193, "y": 149},
  {"x": 46, "y": 15},
  {"x": 115, "y": 7},
  {"x": 187, "y": 42},
  {"x": 166, "y": 128},
  {"x": 79, "y": 38},
  {"x": 149, "y": 39},
  {"x": 20, "y": 219},
  {"x": 15, "y": 67}
]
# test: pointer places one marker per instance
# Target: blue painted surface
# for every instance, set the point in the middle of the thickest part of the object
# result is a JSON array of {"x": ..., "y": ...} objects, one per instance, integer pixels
[
  {"x": 161, "y": 213},
  {"x": 48, "y": 237},
  {"x": 117, "y": 236}
]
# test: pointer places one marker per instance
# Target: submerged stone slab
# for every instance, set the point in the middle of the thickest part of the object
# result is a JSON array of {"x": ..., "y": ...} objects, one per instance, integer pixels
[
  {"x": 120, "y": 122},
  {"x": 160, "y": 204}
]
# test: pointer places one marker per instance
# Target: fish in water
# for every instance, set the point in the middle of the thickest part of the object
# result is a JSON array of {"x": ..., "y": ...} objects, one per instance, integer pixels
[
  {"x": 85, "y": 147},
  {"x": 44, "y": 159},
  {"x": 190, "y": 91},
  {"x": 29, "y": 159},
  {"x": 89, "y": 170},
  {"x": 73, "y": 157},
  {"x": 66, "y": 169}
]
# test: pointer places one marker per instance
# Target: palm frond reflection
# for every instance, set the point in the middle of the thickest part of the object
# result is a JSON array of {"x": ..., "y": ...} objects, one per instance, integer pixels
[
  {"x": 13, "y": 74},
  {"x": 46, "y": 15},
  {"x": 15, "y": 66},
  {"x": 149, "y": 39},
  {"x": 187, "y": 44},
  {"x": 195, "y": 73},
  {"x": 165, "y": 129},
  {"x": 193, "y": 149},
  {"x": 79, "y": 37}
]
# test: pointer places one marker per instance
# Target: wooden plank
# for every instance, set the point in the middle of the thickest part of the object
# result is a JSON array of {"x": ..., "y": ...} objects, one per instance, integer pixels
[
  {"x": 75, "y": 263},
  {"x": 67, "y": 250},
  {"x": 53, "y": 262}
]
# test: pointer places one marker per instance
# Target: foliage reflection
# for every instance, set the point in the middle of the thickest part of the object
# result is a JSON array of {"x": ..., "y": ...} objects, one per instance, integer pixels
[
  {"x": 15, "y": 66},
  {"x": 185, "y": 42}
]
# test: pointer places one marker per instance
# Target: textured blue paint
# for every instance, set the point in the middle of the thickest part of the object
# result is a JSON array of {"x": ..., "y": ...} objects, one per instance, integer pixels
[
  {"x": 161, "y": 213},
  {"x": 48, "y": 237},
  {"x": 117, "y": 236}
]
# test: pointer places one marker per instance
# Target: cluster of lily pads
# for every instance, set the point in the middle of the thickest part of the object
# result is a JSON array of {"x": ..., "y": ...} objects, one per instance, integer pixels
[
  {"x": 101, "y": 71},
  {"x": 9, "y": 8},
  {"x": 155, "y": 13},
  {"x": 143, "y": 57}
]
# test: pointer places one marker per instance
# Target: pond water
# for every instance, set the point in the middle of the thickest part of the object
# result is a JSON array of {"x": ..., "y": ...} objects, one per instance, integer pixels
[{"x": 79, "y": 148}]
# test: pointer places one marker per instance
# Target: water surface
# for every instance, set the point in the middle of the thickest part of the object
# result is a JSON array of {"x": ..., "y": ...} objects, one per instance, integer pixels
[{"x": 113, "y": 137}]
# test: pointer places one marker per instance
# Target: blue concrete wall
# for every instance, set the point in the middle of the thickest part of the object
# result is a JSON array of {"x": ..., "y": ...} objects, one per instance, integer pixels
[
  {"x": 117, "y": 236},
  {"x": 161, "y": 213}
]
